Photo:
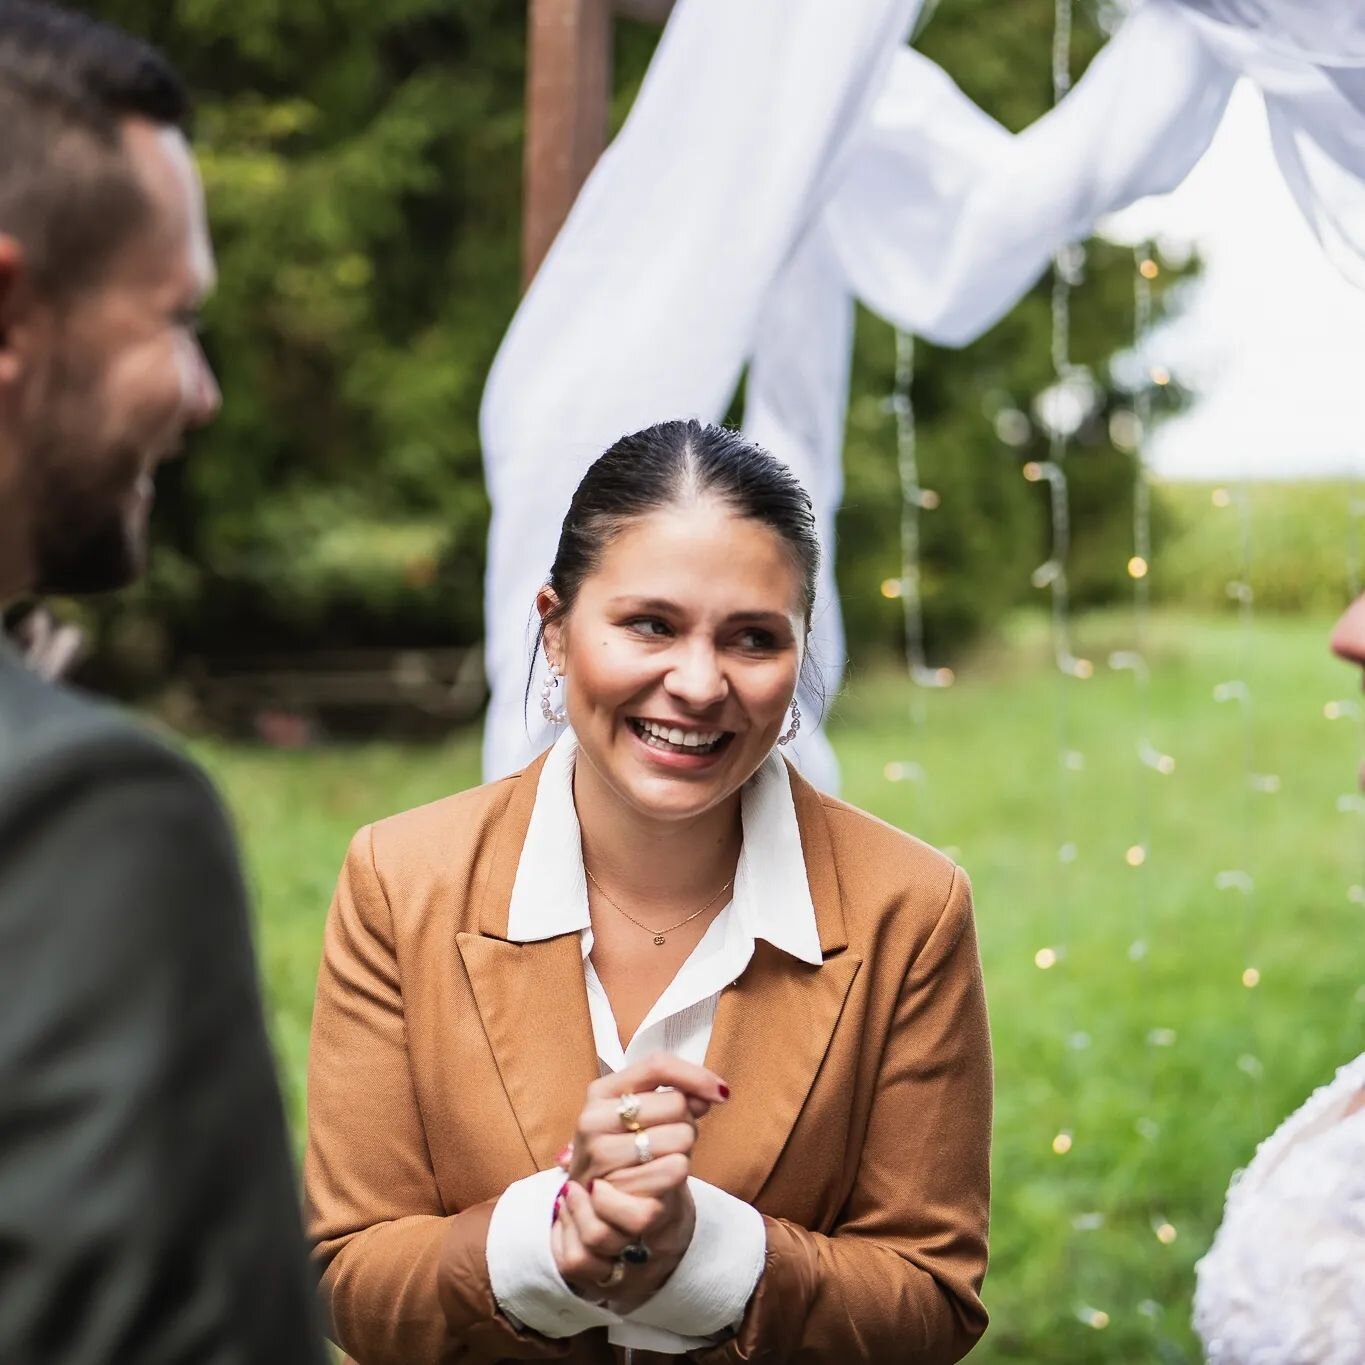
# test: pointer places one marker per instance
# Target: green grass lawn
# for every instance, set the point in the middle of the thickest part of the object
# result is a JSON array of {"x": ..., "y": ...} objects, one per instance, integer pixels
[{"x": 1159, "y": 1063}]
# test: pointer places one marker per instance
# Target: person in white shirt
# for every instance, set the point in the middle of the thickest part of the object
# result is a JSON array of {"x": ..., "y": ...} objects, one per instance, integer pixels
[
  {"x": 1284, "y": 1282},
  {"x": 653, "y": 1049}
]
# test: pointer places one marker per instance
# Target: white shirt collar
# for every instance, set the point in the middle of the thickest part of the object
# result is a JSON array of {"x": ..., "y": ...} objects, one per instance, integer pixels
[{"x": 772, "y": 897}]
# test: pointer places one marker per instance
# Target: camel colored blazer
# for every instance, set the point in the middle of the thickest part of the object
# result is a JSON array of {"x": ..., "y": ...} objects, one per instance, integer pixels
[{"x": 447, "y": 1062}]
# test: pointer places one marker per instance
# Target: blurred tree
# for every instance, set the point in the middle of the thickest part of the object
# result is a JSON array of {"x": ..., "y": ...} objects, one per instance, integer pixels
[{"x": 363, "y": 165}]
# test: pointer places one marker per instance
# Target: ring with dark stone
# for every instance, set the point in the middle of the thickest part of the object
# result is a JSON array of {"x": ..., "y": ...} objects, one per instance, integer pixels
[{"x": 637, "y": 1253}]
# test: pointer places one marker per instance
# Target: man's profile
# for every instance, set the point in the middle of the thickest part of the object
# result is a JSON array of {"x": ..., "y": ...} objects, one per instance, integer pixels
[{"x": 147, "y": 1203}]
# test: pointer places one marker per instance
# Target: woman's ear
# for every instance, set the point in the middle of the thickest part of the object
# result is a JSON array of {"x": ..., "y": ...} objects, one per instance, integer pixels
[{"x": 552, "y": 629}]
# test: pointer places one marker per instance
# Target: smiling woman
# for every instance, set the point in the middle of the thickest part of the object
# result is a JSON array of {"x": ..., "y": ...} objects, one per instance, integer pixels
[
  {"x": 677, "y": 611},
  {"x": 707, "y": 1067}
]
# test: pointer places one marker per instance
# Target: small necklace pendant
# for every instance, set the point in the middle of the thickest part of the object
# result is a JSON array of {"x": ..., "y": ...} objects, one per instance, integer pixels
[{"x": 659, "y": 939}]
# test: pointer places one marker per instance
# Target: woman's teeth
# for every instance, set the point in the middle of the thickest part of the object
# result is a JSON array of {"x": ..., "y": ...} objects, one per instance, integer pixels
[{"x": 681, "y": 741}]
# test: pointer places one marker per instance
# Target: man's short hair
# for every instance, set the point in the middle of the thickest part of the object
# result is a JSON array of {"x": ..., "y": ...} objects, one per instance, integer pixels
[{"x": 68, "y": 192}]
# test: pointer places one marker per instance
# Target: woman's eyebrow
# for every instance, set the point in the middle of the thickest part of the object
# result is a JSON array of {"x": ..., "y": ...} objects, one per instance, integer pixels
[
  {"x": 665, "y": 605},
  {"x": 644, "y": 603}
]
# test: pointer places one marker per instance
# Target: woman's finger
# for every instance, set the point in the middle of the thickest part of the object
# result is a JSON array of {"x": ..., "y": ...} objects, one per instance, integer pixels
[
  {"x": 604, "y": 1153},
  {"x": 598, "y": 1237},
  {"x": 629, "y": 1214},
  {"x": 651, "y": 1110},
  {"x": 576, "y": 1263},
  {"x": 662, "y": 1069},
  {"x": 660, "y": 1177}
]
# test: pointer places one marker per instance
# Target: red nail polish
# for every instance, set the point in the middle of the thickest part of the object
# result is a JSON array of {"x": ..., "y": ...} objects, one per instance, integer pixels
[
  {"x": 724, "y": 1090},
  {"x": 591, "y": 1183},
  {"x": 563, "y": 1190},
  {"x": 554, "y": 1216}
]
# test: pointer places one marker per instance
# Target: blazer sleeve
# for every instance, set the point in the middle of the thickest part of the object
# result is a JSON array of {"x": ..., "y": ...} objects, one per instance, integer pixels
[
  {"x": 148, "y": 1211},
  {"x": 402, "y": 1280},
  {"x": 899, "y": 1276}
]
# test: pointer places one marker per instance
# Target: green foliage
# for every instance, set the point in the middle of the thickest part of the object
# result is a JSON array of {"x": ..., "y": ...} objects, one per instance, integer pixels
[
  {"x": 363, "y": 165},
  {"x": 1302, "y": 539},
  {"x": 989, "y": 754}
]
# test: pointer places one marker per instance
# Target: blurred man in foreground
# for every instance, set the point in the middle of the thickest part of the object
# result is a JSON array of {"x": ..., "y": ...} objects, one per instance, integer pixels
[{"x": 147, "y": 1203}]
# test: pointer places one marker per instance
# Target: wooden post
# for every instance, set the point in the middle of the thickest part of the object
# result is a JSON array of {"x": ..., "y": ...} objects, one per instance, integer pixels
[
  {"x": 568, "y": 94},
  {"x": 647, "y": 11},
  {"x": 568, "y": 82}
]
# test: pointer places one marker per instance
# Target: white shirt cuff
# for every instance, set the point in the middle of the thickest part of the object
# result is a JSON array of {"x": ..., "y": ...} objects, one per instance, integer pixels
[
  {"x": 521, "y": 1265},
  {"x": 710, "y": 1290}
]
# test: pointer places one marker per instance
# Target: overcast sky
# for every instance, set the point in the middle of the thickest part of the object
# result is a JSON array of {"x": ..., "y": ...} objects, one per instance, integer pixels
[{"x": 1273, "y": 337}]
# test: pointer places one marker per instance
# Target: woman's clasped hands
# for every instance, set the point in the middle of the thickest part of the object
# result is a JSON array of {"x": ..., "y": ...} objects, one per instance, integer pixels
[{"x": 624, "y": 1218}]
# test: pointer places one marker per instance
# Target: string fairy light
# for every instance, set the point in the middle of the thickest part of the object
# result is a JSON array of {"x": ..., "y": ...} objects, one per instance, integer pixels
[
  {"x": 1237, "y": 691},
  {"x": 915, "y": 500},
  {"x": 1061, "y": 409},
  {"x": 1128, "y": 430},
  {"x": 909, "y": 587}
]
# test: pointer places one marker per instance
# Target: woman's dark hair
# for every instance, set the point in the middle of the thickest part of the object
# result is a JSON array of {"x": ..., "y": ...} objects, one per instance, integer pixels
[{"x": 671, "y": 463}]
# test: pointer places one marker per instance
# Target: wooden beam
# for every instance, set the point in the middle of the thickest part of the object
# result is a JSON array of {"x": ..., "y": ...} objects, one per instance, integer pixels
[{"x": 568, "y": 90}]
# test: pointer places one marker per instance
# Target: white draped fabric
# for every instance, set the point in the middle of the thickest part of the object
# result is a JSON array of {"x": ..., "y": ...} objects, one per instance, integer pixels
[
  {"x": 787, "y": 156},
  {"x": 649, "y": 302}
]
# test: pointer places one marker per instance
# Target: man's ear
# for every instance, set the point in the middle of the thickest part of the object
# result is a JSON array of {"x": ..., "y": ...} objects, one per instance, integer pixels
[{"x": 11, "y": 287}]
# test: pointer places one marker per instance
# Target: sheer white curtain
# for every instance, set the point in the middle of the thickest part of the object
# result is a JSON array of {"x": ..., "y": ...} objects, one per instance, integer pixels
[
  {"x": 787, "y": 156},
  {"x": 649, "y": 302}
]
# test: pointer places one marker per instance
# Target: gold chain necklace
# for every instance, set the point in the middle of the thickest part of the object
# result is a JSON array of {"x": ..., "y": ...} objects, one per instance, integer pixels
[{"x": 658, "y": 933}]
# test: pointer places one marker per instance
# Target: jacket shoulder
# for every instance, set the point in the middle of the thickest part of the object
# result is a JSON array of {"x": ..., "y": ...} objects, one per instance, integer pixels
[
  {"x": 50, "y": 732},
  {"x": 443, "y": 835},
  {"x": 883, "y": 869}
]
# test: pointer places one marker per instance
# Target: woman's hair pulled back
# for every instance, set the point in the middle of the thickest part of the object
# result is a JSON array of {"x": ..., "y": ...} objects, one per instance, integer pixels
[{"x": 673, "y": 463}]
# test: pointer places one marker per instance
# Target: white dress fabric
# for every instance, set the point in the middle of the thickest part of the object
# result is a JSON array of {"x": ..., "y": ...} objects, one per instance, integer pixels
[
  {"x": 787, "y": 156},
  {"x": 709, "y": 1291},
  {"x": 1284, "y": 1282}
]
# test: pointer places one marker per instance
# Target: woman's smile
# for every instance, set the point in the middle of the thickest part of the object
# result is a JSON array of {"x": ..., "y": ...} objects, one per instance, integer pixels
[{"x": 682, "y": 747}]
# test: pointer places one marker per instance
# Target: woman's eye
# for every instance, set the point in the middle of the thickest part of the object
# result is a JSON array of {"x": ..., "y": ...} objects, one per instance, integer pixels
[
  {"x": 757, "y": 639},
  {"x": 648, "y": 625}
]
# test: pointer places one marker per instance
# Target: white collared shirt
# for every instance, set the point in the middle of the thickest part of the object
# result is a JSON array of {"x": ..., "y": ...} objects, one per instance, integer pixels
[{"x": 709, "y": 1291}]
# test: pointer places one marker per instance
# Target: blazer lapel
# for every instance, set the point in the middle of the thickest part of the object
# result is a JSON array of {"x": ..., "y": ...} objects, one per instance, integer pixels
[
  {"x": 531, "y": 997},
  {"x": 771, "y": 1033},
  {"x": 534, "y": 1006},
  {"x": 773, "y": 1028}
]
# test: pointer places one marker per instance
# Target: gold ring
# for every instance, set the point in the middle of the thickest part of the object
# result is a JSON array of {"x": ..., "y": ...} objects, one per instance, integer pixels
[
  {"x": 615, "y": 1275},
  {"x": 628, "y": 1111},
  {"x": 643, "y": 1152}
]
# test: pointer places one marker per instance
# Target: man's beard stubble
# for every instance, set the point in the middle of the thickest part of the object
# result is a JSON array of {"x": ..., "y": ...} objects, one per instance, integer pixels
[{"x": 82, "y": 540}]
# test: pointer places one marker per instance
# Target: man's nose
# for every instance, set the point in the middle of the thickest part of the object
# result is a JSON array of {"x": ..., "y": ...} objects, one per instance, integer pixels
[
  {"x": 206, "y": 398},
  {"x": 1348, "y": 635}
]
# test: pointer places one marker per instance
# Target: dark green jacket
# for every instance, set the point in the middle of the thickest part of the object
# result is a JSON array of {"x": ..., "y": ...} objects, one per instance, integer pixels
[{"x": 147, "y": 1202}]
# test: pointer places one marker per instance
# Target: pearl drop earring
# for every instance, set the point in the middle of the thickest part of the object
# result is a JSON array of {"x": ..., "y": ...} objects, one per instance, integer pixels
[{"x": 553, "y": 715}]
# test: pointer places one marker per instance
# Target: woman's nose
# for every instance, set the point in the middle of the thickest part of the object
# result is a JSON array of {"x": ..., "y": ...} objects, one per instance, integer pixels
[{"x": 697, "y": 679}]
